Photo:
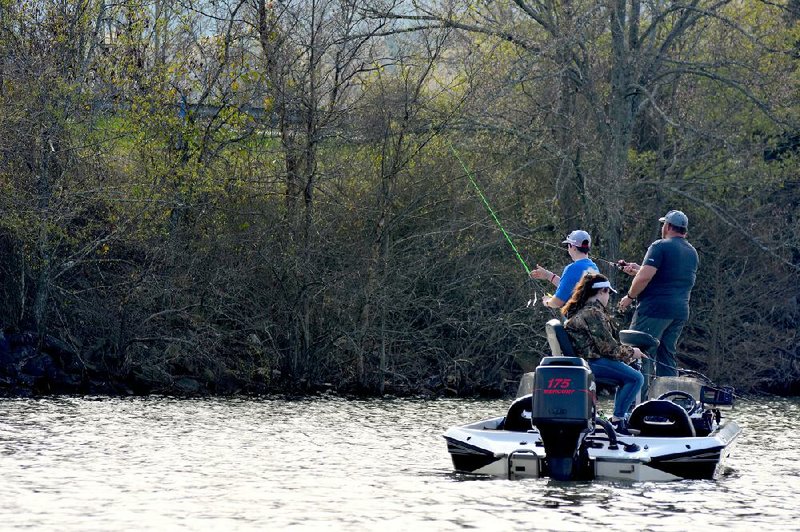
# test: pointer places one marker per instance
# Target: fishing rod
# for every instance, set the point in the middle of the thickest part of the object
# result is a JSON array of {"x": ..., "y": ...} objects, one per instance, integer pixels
[
  {"x": 489, "y": 208},
  {"x": 531, "y": 302},
  {"x": 618, "y": 264}
]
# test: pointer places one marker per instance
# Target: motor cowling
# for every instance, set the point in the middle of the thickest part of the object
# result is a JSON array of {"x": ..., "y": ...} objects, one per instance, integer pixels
[{"x": 564, "y": 399}]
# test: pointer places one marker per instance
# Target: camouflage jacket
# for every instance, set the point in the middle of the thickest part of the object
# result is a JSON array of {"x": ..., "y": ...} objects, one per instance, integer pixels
[{"x": 594, "y": 335}]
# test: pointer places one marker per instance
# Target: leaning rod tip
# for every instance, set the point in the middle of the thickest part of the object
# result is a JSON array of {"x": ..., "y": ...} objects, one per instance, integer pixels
[{"x": 489, "y": 208}]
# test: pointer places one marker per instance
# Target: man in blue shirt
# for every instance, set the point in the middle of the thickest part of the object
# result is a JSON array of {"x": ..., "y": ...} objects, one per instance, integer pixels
[
  {"x": 578, "y": 243},
  {"x": 663, "y": 286}
]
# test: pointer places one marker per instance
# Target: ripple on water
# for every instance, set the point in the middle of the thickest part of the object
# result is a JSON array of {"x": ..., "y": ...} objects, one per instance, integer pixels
[{"x": 162, "y": 463}]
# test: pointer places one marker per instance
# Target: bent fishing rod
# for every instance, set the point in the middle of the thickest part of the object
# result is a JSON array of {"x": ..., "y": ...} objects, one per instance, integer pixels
[
  {"x": 500, "y": 225},
  {"x": 618, "y": 264},
  {"x": 489, "y": 208}
]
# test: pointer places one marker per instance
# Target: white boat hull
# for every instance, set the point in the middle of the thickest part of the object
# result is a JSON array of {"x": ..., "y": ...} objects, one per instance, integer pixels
[{"x": 481, "y": 448}]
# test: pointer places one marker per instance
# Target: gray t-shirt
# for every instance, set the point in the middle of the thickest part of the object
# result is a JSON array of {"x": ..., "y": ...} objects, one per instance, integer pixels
[{"x": 667, "y": 294}]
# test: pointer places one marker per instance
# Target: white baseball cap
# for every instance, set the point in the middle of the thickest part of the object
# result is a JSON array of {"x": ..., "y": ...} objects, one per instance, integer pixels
[{"x": 579, "y": 239}]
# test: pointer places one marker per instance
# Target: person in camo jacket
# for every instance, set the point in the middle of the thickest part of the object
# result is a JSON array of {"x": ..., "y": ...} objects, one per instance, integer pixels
[{"x": 595, "y": 337}]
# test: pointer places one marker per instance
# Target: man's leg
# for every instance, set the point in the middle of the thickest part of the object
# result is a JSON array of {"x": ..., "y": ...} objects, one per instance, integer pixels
[
  {"x": 667, "y": 364},
  {"x": 655, "y": 327}
]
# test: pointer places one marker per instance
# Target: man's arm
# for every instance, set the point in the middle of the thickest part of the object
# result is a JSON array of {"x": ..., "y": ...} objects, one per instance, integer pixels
[{"x": 639, "y": 283}]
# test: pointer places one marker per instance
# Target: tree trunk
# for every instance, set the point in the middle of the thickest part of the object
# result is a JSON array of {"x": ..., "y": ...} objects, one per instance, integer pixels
[
  {"x": 618, "y": 132},
  {"x": 44, "y": 191},
  {"x": 570, "y": 188},
  {"x": 569, "y": 184}
]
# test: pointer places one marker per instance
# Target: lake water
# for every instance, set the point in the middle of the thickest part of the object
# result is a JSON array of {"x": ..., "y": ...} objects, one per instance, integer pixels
[{"x": 269, "y": 464}]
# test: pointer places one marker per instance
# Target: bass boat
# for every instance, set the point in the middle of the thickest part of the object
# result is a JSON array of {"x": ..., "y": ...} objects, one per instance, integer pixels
[{"x": 552, "y": 428}]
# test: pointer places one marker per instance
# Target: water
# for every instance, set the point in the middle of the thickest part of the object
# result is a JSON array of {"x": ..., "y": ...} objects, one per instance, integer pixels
[{"x": 235, "y": 464}]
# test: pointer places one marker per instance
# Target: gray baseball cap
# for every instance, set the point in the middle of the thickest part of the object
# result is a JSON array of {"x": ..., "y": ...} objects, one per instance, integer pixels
[
  {"x": 676, "y": 218},
  {"x": 578, "y": 238}
]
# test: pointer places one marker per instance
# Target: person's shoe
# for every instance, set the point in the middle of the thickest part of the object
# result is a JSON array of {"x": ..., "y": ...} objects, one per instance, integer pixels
[{"x": 620, "y": 427}]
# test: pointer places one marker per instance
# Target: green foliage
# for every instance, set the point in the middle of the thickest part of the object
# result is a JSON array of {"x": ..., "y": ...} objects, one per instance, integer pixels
[{"x": 183, "y": 199}]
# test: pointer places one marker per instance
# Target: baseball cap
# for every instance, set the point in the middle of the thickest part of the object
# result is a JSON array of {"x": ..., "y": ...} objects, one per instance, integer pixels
[
  {"x": 676, "y": 218},
  {"x": 578, "y": 238}
]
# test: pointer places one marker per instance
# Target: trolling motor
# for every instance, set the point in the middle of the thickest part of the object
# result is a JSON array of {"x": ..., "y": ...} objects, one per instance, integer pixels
[{"x": 564, "y": 398}]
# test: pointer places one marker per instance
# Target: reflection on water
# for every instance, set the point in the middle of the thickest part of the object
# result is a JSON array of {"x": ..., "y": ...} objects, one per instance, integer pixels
[{"x": 160, "y": 463}]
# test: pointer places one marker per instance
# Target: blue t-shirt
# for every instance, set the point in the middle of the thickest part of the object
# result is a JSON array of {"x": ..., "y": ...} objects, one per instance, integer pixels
[
  {"x": 667, "y": 294},
  {"x": 571, "y": 275}
]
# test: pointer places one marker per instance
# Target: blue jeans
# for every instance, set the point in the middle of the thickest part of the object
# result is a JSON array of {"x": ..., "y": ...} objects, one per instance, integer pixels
[
  {"x": 667, "y": 331},
  {"x": 628, "y": 379}
]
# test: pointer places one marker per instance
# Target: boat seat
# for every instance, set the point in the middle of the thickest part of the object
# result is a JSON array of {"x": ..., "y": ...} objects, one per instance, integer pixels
[
  {"x": 518, "y": 418},
  {"x": 642, "y": 340},
  {"x": 558, "y": 339},
  {"x": 661, "y": 418}
]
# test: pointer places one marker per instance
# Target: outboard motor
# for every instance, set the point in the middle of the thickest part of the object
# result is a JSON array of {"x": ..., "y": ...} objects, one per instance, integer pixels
[{"x": 564, "y": 399}]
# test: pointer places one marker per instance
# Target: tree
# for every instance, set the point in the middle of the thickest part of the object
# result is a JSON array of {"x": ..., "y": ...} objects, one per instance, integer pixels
[
  {"x": 610, "y": 62},
  {"x": 47, "y": 48}
]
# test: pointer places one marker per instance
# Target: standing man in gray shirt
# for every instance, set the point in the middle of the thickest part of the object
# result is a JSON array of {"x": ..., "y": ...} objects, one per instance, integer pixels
[{"x": 663, "y": 285}]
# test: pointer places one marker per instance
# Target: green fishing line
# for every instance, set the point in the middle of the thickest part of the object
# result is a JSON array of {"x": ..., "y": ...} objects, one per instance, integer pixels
[{"x": 489, "y": 208}]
